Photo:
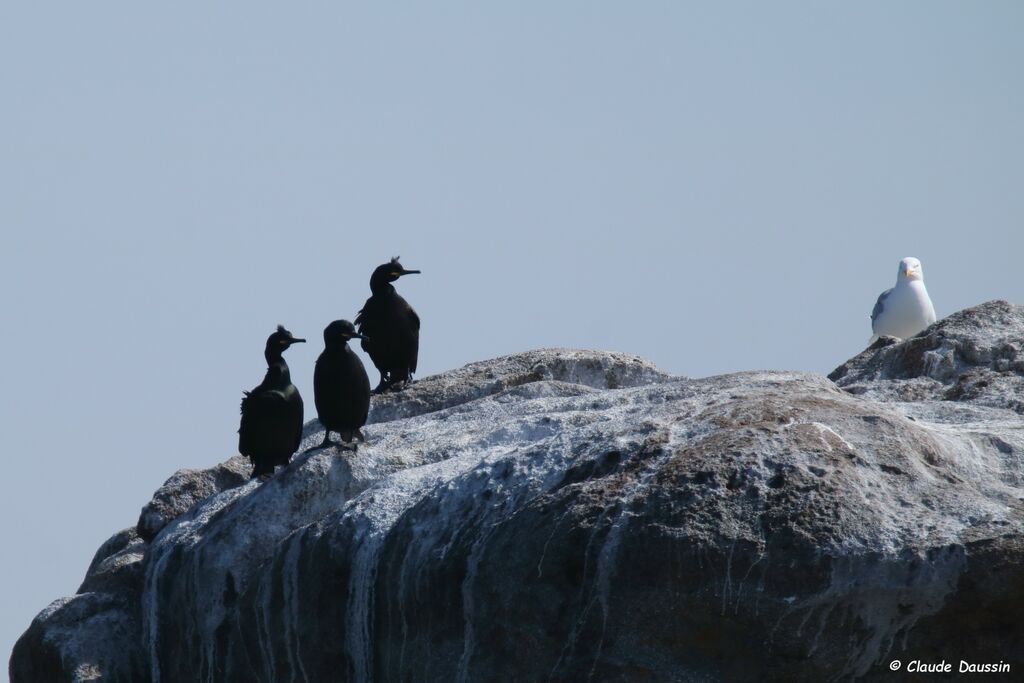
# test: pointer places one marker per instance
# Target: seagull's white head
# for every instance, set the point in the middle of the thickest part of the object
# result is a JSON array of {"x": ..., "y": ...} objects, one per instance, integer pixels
[{"x": 910, "y": 269}]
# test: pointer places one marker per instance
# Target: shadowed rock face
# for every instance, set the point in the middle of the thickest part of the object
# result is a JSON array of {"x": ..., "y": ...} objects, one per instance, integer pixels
[{"x": 570, "y": 515}]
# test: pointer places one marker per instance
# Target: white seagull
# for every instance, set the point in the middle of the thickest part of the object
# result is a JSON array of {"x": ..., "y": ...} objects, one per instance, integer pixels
[{"x": 904, "y": 310}]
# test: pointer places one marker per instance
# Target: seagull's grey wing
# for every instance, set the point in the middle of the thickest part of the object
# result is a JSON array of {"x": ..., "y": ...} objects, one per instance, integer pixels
[{"x": 879, "y": 306}]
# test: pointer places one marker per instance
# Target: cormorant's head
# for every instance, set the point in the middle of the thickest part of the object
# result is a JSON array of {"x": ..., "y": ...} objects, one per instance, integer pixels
[
  {"x": 281, "y": 340},
  {"x": 339, "y": 332},
  {"x": 389, "y": 272},
  {"x": 910, "y": 269}
]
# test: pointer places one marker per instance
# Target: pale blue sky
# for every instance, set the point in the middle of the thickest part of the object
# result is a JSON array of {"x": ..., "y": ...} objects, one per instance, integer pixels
[{"x": 716, "y": 187}]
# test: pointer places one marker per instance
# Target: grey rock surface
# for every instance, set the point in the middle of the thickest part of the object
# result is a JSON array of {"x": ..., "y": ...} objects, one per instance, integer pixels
[
  {"x": 90, "y": 636},
  {"x": 574, "y": 515},
  {"x": 973, "y": 356},
  {"x": 185, "y": 489}
]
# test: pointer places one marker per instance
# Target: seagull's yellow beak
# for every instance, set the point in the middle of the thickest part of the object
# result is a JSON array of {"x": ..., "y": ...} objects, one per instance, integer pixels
[{"x": 907, "y": 272}]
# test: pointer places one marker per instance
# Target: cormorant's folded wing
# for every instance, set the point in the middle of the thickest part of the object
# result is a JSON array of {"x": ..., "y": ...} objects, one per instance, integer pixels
[{"x": 258, "y": 408}]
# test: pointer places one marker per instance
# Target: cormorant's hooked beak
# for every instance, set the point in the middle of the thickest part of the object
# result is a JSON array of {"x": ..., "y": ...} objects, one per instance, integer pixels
[
  {"x": 408, "y": 272},
  {"x": 295, "y": 340},
  {"x": 356, "y": 335}
]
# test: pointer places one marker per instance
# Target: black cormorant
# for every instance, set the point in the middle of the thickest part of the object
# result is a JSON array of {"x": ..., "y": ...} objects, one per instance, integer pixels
[
  {"x": 271, "y": 428},
  {"x": 341, "y": 389},
  {"x": 392, "y": 326}
]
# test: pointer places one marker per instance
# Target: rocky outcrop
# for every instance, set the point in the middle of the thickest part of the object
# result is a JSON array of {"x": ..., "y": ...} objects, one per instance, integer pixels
[
  {"x": 974, "y": 356},
  {"x": 569, "y": 515},
  {"x": 186, "y": 488}
]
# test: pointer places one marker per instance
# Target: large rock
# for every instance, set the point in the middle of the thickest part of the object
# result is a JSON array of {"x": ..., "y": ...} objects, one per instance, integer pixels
[
  {"x": 974, "y": 355},
  {"x": 568, "y": 515}
]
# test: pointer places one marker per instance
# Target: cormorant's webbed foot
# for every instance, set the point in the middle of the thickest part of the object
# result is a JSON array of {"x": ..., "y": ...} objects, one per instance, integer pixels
[
  {"x": 323, "y": 444},
  {"x": 401, "y": 384},
  {"x": 348, "y": 438}
]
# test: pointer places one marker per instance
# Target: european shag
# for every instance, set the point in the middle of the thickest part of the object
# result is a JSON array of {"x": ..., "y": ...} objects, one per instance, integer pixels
[
  {"x": 271, "y": 428},
  {"x": 341, "y": 388},
  {"x": 392, "y": 326},
  {"x": 906, "y": 309}
]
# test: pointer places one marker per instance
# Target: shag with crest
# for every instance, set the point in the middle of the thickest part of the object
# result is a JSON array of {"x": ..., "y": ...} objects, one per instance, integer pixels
[
  {"x": 392, "y": 326},
  {"x": 271, "y": 427}
]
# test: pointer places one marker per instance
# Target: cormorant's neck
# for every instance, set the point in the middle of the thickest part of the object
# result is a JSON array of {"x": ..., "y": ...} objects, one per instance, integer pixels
[
  {"x": 381, "y": 286},
  {"x": 277, "y": 371},
  {"x": 273, "y": 355}
]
